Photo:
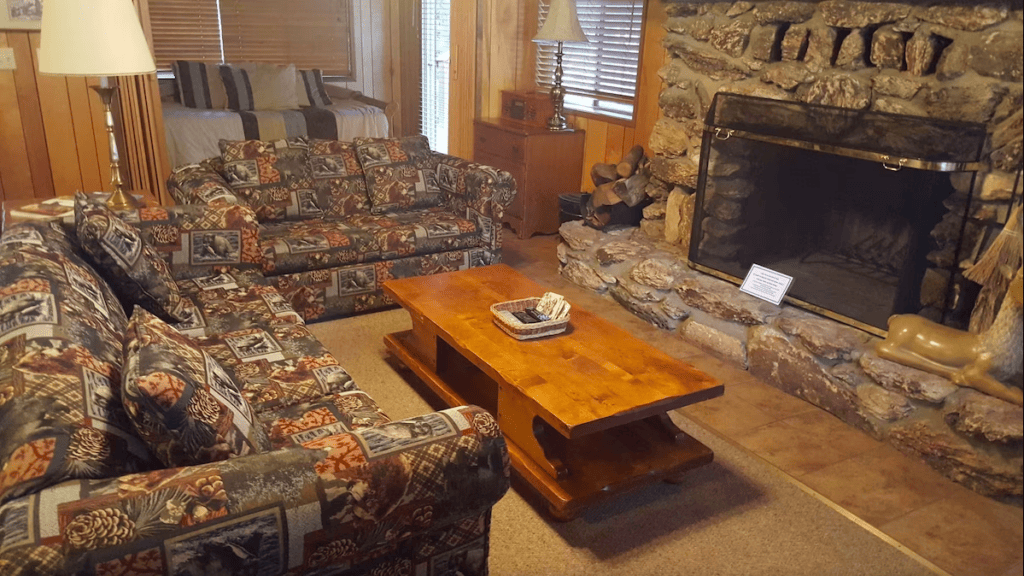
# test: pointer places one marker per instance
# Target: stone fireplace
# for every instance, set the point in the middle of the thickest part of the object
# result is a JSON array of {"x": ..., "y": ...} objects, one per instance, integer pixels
[{"x": 948, "y": 61}]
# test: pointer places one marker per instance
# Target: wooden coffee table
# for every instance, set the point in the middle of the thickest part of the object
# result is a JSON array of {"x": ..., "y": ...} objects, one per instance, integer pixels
[{"x": 583, "y": 412}]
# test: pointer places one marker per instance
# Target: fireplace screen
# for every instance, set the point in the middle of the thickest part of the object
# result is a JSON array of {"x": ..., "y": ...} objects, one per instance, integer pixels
[{"x": 844, "y": 201}]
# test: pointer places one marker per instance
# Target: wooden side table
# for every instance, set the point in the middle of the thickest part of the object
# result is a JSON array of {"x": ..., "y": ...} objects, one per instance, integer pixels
[
  {"x": 148, "y": 200},
  {"x": 544, "y": 164}
]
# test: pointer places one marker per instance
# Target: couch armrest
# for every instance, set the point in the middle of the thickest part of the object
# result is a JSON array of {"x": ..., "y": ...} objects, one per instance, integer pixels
[
  {"x": 355, "y": 498},
  {"x": 477, "y": 191},
  {"x": 201, "y": 184},
  {"x": 203, "y": 239}
]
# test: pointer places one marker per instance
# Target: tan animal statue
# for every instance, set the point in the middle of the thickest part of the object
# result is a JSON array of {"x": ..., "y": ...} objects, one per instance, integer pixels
[{"x": 979, "y": 361}]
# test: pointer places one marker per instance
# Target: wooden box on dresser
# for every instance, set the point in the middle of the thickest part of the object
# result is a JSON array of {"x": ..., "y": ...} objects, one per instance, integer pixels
[{"x": 544, "y": 163}]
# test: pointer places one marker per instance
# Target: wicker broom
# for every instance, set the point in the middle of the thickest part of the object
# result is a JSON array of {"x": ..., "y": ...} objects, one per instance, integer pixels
[{"x": 994, "y": 271}]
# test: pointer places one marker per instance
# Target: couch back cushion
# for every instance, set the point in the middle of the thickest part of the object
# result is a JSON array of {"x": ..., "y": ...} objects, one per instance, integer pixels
[
  {"x": 400, "y": 173},
  {"x": 338, "y": 179},
  {"x": 134, "y": 269},
  {"x": 61, "y": 334},
  {"x": 186, "y": 407},
  {"x": 199, "y": 85},
  {"x": 273, "y": 178}
]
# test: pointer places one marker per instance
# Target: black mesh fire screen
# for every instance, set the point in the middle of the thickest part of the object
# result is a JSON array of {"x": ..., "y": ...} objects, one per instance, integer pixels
[{"x": 849, "y": 203}]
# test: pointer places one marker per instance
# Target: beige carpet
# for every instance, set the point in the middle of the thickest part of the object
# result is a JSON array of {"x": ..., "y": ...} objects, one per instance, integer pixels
[{"x": 737, "y": 516}]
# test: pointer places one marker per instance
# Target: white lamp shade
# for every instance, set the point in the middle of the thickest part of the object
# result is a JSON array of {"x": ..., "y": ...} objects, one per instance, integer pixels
[
  {"x": 93, "y": 38},
  {"x": 561, "y": 25}
]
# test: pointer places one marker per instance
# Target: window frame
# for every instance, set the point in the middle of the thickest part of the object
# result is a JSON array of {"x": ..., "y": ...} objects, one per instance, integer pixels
[{"x": 594, "y": 114}]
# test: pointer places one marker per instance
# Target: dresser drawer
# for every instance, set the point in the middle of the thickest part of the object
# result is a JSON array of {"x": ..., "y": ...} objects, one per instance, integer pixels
[{"x": 499, "y": 143}]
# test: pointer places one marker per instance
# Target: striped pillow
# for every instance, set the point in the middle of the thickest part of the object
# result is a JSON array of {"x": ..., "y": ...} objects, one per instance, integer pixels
[
  {"x": 236, "y": 84},
  {"x": 313, "y": 92},
  {"x": 198, "y": 85}
]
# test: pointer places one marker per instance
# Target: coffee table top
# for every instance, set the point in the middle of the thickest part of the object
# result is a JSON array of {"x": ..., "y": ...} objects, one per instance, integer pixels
[{"x": 592, "y": 377}]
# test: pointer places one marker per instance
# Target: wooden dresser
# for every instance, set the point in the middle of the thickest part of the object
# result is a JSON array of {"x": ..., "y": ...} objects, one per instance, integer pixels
[{"x": 544, "y": 163}]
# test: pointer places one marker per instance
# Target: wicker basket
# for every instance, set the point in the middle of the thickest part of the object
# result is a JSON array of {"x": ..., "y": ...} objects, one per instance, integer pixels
[{"x": 516, "y": 329}]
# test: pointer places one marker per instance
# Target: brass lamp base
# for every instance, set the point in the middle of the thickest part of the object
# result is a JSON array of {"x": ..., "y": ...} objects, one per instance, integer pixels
[{"x": 118, "y": 200}]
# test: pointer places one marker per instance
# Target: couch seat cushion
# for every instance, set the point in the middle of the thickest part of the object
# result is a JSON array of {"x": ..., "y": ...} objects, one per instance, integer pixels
[
  {"x": 279, "y": 365},
  {"x": 316, "y": 244},
  {"x": 305, "y": 424},
  {"x": 232, "y": 301},
  {"x": 186, "y": 407}
]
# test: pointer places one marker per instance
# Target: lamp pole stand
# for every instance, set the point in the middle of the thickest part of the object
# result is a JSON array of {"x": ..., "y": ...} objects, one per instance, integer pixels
[
  {"x": 557, "y": 121},
  {"x": 118, "y": 200}
]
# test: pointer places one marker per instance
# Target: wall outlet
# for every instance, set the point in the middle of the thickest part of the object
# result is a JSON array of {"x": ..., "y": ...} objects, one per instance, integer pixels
[{"x": 7, "y": 59}]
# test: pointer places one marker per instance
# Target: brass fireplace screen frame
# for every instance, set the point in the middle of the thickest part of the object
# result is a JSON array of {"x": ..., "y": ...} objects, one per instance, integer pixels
[{"x": 940, "y": 146}]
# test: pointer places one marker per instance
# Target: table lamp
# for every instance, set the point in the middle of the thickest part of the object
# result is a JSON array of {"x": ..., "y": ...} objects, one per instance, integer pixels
[
  {"x": 561, "y": 25},
  {"x": 97, "y": 38}
]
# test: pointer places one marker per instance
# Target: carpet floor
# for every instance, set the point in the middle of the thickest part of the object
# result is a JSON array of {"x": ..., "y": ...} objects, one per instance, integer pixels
[{"x": 736, "y": 516}]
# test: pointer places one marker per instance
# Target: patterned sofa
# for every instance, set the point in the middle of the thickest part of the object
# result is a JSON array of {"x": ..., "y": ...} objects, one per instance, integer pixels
[
  {"x": 337, "y": 219},
  {"x": 94, "y": 405}
]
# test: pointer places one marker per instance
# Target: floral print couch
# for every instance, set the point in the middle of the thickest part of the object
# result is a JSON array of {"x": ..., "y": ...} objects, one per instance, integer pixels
[
  {"x": 229, "y": 442},
  {"x": 337, "y": 219}
]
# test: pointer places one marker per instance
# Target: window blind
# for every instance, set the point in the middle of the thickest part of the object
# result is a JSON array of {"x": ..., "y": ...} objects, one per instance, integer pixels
[
  {"x": 435, "y": 54},
  {"x": 598, "y": 76},
  {"x": 307, "y": 33},
  {"x": 185, "y": 30}
]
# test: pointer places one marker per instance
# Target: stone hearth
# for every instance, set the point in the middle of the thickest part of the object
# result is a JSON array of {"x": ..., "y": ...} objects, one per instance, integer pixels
[
  {"x": 970, "y": 437},
  {"x": 941, "y": 59}
]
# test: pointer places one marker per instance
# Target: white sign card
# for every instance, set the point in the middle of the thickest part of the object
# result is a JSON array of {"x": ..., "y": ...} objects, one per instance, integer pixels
[{"x": 766, "y": 284}]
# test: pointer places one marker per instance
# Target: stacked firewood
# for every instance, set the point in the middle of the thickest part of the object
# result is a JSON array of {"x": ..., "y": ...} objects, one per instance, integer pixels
[{"x": 620, "y": 190}]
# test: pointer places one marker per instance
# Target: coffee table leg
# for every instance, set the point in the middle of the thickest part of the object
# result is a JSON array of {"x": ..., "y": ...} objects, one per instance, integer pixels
[{"x": 529, "y": 432}]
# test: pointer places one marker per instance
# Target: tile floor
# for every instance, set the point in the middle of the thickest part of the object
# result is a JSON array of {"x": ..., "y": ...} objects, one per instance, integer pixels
[{"x": 952, "y": 527}]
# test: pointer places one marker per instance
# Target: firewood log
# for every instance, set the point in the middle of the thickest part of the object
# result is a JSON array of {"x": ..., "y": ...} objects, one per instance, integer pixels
[
  {"x": 604, "y": 195},
  {"x": 602, "y": 173},
  {"x": 627, "y": 167},
  {"x": 633, "y": 190}
]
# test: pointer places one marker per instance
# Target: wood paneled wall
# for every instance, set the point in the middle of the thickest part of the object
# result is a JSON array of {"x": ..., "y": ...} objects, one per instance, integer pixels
[
  {"x": 52, "y": 135},
  {"x": 504, "y": 60}
]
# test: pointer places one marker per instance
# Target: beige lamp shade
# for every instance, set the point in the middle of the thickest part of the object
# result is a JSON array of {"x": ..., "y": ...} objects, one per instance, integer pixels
[
  {"x": 93, "y": 38},
  {"x": 561, "y": 25}
]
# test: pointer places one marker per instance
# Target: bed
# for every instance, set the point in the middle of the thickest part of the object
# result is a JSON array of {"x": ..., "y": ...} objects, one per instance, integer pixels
[{"x": 193, "y": 134}]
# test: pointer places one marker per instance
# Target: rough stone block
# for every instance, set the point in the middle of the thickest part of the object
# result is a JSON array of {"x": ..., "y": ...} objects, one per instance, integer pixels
[
  {"x": 619, "y": 251},
  {"x": 794, "y": 43},
  {"x": 686, "y": 223},
  {"x": 922, "y": 52},
  {"x": 724, "y": 209},
  {"x": 877, "y": 402},
  {"x": 670, "y": 137},
  {"x": 723, "y": 300},
  {"x": 696, "y": 58},
  {"x": 970, "y": 103},
  {"x": 852, "y": 51},
  {"x": 647, "y": 311},
  {"x": 654, "y": 273},
  {"x": 675, "y": 170},
  {"x": 696, "y": 27},
  {"x": 763, "y": 40},
  {"x": 655, "y": 211},
  {"x": 739, "y": 8},
  {"x": 674, "y": 73},
  {"x": 674, "y": 215},
  {"x": 821, "y": 45},
  {"x": 826, "y": 338},
  {"x": 887, "y": 48},
  {"x": 1009, "y": 131},
  {"x": 843, "y": 14},
  {"x": 578, "y": 236},
  {"x": 984, "y": 416},
  {"x": 988, "y": 472},
  {"x": 897, "y": 106},
  {"x": 908, "y": 381},
  {"x": 731, "y": 188},
  {"x": 894, "y": 85},
  {"x": 970, "y": 18},
  {"x": 583, "y": 275},
  {"x": 778, "y": 12},
  {"x": 653, "y": 229},
  {"x": 641, "y": 293},
  {"x": 787, "y": 75},
  {"x": 732, "y": 38},
  {"x": 933, "y": 287},
  {"x": 953, "y": 61},
  {"x": 716, "y": 342},
  {"x": 680, "y": 102},
  {"x": 999, "y": 55},
  {"x": 841, "y": 91},
  {"x": 773, "y": 358},
  {"x": 719, "y": 230}
]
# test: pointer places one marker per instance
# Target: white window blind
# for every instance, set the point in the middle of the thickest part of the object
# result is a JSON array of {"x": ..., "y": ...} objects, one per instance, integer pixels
[
  {"x": 307, "y": 33},
  {"x": 600, "y": 76},
  {"x": 435, "y": 54}
]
